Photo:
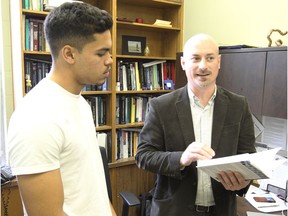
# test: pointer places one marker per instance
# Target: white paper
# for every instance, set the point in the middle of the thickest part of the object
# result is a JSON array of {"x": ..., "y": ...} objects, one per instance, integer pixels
[
  {"x": 253, "y": 191},
  {"x": 249, "y": 213},
  {"x": 279, "y": 204},
  {"x": 264, "y": 161}
]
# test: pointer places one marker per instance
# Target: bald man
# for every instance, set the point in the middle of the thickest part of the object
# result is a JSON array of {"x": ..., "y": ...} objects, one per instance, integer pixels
[{"x": 201, "y": 121}]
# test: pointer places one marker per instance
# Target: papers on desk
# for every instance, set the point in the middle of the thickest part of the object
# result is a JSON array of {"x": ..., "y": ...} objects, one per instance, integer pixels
[
  {"x": 257, "y": 214},
  {"x": 258, "y": 165},
  {"x": 262, "y": 205}
]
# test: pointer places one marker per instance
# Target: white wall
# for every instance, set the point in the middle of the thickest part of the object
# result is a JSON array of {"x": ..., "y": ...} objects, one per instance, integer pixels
[
  {"x": 233, "y": 22},
  {"x": 5, "y": 21},
  {"x": 6, "y": 91}
]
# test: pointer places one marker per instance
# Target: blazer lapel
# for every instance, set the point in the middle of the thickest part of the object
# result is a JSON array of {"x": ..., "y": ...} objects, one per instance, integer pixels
[
  {"x": 185, "y": 118},
  {"x": 220, "y": 110}
]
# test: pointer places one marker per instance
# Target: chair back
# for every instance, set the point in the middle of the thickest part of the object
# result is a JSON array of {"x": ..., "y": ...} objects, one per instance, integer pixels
[{"x": 106, "y": 169}]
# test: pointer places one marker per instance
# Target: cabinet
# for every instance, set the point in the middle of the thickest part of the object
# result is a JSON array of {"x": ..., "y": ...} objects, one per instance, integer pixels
[
  {"x": 163, "y": 42},
  {"x": 260, "y": 74}
]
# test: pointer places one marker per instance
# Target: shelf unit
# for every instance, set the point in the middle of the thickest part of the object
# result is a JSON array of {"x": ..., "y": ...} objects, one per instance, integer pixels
[{"x": 164, "y": 42}]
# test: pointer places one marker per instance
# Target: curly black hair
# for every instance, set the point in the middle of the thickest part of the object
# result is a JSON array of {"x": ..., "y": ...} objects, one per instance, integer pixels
[{"x": 74, "y": 24}]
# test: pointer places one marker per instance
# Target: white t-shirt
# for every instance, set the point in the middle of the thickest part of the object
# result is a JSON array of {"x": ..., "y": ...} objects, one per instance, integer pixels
[{"x": 54, "y": 129}]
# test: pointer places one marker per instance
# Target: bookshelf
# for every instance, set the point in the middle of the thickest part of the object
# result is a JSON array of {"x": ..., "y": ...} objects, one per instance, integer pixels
[{"x": 164, "y": 42}]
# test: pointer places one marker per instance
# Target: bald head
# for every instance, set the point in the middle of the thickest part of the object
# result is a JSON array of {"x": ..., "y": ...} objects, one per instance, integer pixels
[{"x": 202, "y": 40}]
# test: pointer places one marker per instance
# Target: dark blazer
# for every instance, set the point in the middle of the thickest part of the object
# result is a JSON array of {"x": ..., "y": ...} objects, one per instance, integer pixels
[{"x": 167, "y": 132}]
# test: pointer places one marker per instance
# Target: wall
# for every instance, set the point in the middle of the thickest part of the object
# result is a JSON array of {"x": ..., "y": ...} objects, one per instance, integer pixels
[
  {"x": 233, "y": 22},
  {"x": 5, "y": 19},
  {"x": 7, "y": 105}
]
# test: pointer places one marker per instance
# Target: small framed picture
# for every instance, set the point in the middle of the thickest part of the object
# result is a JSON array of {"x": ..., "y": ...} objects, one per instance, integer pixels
[{"x": 133, "y": 45}]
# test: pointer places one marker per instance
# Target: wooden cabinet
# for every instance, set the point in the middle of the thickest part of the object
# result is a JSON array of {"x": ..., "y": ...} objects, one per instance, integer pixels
[
  {"x": 10, "y": 199},
  {"x": 260, "y": 74},
  {"x": 243, "y": 73},
  {"x": 275, "y": 89}
]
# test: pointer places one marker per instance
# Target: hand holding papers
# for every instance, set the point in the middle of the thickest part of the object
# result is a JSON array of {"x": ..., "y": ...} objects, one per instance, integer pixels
[{"x": 258, "y": 165}]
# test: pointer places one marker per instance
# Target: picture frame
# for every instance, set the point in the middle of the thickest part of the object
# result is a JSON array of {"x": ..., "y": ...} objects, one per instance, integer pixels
[{"x": 133, "y": 45}]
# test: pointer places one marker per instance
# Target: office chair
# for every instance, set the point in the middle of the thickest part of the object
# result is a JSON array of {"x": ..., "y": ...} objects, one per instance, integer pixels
[{"x": 129, "y": 199}]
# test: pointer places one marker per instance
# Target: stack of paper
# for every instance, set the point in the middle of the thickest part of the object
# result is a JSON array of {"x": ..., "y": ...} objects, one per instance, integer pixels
[
  {"x": 258, "y": 165},
  {"x": 264, "y": 201},
  {"x": 249, "y": 213},
  {"x": 163, "y": 23},
  {"x": 51, "y": 4},
  {"x": 268, "y": 202}
]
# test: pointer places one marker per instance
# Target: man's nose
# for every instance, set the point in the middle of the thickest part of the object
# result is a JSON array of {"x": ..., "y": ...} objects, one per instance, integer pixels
[
  {"x": 109, "y": 60},
  {"x": 203, "y": 64}
]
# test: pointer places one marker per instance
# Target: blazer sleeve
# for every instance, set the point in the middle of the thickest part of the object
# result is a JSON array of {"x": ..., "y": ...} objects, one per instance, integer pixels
[{"x": 157, "y": 151}]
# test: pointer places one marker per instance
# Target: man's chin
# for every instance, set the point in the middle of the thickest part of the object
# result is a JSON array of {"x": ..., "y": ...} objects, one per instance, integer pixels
[{"x": 101, "y": 82}]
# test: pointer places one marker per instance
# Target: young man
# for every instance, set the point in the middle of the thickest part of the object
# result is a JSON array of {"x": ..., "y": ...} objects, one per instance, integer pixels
[
  {"x": 203, "y": 121},
  {"x": 51, "y": 137}
]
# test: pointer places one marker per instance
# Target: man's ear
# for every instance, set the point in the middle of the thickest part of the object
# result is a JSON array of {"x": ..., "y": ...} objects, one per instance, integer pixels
[
  {"x": 219, "y": 61},
  {"x": 182, "y": 61},
  {"x": 68, "y": 54}
]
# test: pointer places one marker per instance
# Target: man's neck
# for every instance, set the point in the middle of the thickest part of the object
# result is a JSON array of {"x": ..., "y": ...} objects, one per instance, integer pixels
[{"x": 204, "y": 94}]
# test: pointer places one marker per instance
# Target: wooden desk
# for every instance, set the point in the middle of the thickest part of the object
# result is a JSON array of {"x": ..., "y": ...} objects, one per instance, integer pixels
[
  {"x": 11, "y": 204},
  {"x": 243, "y": 206}
]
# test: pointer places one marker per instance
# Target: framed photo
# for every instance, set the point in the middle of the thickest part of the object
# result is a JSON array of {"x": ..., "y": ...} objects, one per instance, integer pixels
[{"x": 133, "y": 45}]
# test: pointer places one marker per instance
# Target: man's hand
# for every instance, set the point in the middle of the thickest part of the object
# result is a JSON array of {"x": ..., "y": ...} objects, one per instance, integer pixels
[
  {"x": 196, "y": 151},
  {"x": 232, "y": 180}
]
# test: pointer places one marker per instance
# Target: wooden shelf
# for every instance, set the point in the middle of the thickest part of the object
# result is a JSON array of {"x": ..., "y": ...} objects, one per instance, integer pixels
[
  {"x": 142, "y": 26},
  {"x": 164, "y": 43}
]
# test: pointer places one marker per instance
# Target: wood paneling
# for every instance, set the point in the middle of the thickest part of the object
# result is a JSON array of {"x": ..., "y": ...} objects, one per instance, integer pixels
[{"x": 129, "y": 178}]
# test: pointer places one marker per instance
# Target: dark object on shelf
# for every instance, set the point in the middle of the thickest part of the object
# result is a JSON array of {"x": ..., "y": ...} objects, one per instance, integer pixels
[
  {"x": 139, "y": 20},
  {"x": 125, "y": 19},
  {"x": 240, "y": 46},
  {"x": 133, "y": 45}
]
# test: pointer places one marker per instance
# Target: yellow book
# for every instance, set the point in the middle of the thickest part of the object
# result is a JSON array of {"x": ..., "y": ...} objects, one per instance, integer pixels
[
  {"x": 138, "y": 85},
  {"x": 133, "y": 108}
]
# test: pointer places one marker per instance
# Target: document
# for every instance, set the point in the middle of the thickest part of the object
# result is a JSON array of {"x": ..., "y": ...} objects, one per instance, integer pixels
[
  {"x": 258, "y": 165},
  {"x": 249, "y": 213},
  {"x": 266, "y": 202}
]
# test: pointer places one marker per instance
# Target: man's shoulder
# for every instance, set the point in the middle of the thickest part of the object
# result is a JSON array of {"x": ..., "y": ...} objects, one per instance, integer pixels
[
  {"x": 174, "y": 95},
  {"x": 225, "y": 92}
]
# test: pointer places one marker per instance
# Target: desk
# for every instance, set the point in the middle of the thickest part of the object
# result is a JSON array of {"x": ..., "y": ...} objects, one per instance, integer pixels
[
  {"x": 11, "y": 204},
  {"x": 15, "y": 206},
  {"x": 243, "y": 206}
]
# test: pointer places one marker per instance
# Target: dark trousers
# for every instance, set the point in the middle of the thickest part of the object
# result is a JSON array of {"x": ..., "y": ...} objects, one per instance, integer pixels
[{"x": 195, "y": 213}]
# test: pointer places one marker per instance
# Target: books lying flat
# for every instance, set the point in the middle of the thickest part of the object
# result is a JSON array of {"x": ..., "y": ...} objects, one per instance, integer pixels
[
  {"x": 163, "y": 23},
  {"x": 258, "y": 165}
]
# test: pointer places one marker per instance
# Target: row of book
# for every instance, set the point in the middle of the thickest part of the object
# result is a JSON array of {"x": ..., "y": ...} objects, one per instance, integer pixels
[
  {"x": 139, "y": 76},
  {"x": 127, "y": 142},
  {"x": 35, "y": 70},
  {"x": 131, "y": 109},
  {"x": 98, "y": 107},
  {"x": 37, "y": 5},
  {"x": 34, "y": 39},
  {"x": 102, "y": 87}
]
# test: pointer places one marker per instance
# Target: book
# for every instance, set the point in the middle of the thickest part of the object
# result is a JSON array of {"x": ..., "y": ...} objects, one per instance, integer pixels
[
  {"x": 251, "y": 166},
  {"x": 163, "y": 23}
]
